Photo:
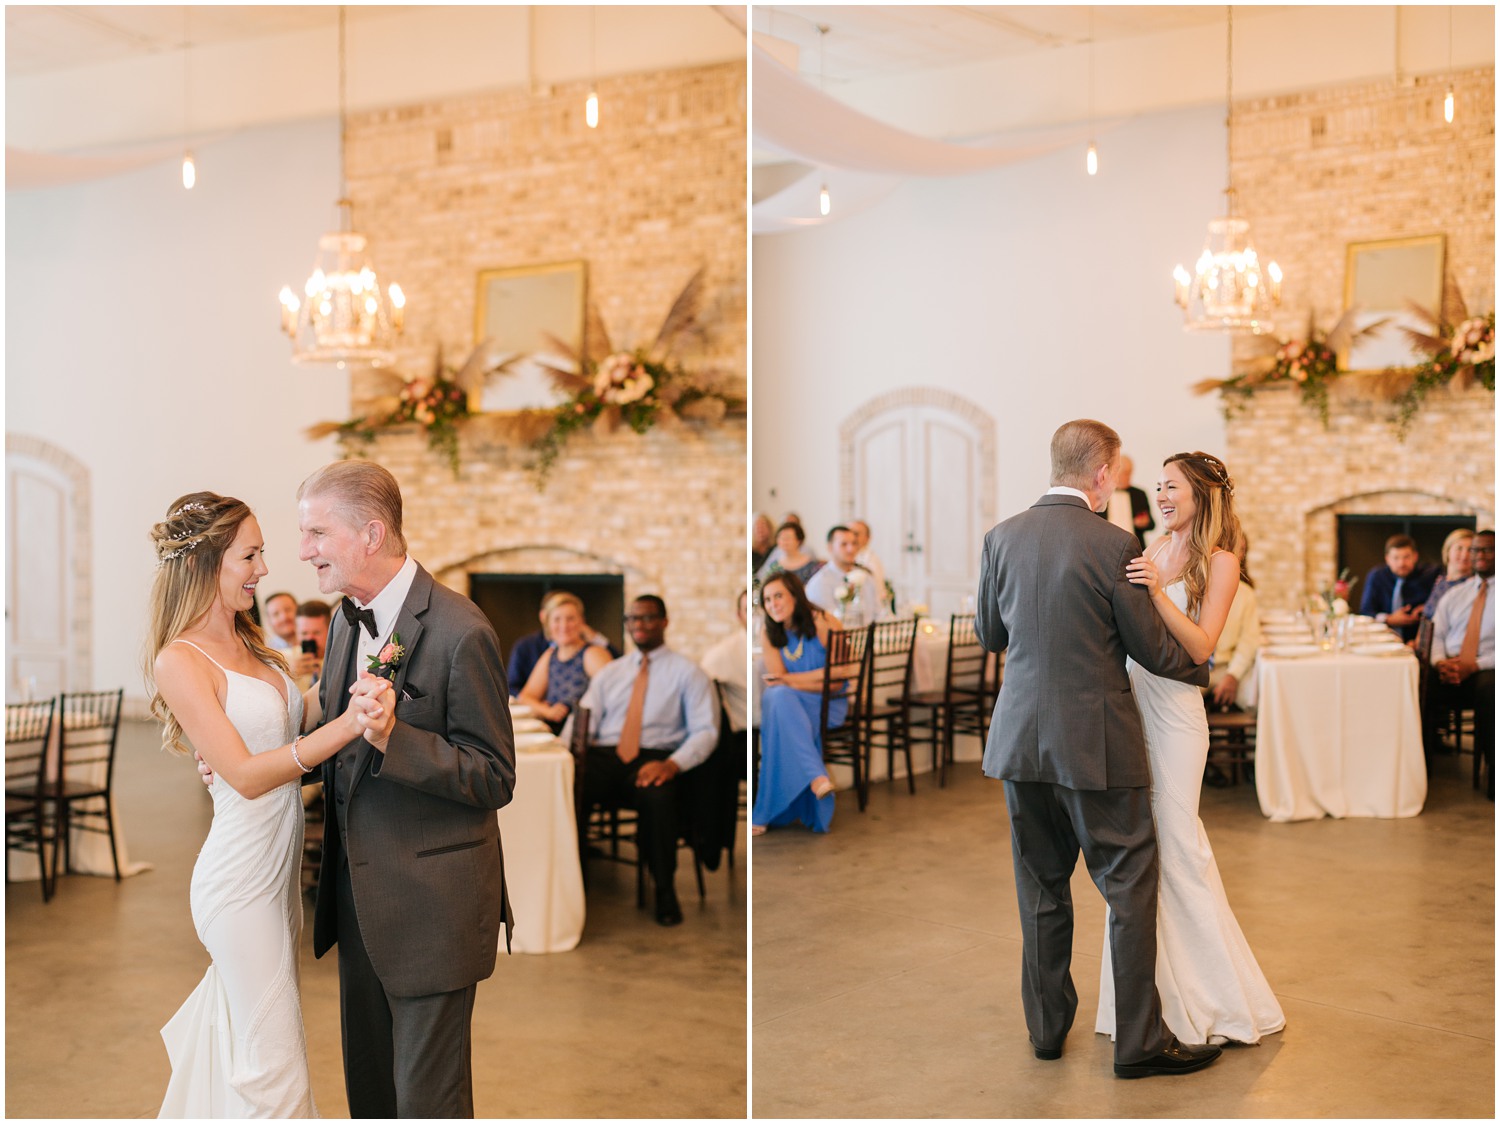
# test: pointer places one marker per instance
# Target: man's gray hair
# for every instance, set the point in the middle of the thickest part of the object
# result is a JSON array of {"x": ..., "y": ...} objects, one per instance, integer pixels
[
  {"x": 1078, "y": 449},
  {"x": 362, "y": 491}
]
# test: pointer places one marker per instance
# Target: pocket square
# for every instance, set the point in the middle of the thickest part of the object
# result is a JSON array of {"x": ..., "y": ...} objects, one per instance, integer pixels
[{"x": 410, "y": 693}]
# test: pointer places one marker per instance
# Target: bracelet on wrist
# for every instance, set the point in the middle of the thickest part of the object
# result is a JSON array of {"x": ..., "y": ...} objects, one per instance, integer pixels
[{"x": 298, "y": 760}]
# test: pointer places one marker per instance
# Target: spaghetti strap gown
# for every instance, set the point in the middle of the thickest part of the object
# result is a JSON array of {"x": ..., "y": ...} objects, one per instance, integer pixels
[
  {"x": 791, "y": 755},
  {"x": 1212, "y": 988},
  {"x": 237, "y": 1045}
]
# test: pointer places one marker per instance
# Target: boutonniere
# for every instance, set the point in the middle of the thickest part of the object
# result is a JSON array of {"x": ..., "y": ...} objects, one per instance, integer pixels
[{"x": 383, "y": 664}]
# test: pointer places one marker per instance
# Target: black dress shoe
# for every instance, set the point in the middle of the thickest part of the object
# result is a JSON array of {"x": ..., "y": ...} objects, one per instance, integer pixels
[
  {"x": 1044, "y": 1054},
  {"x": 668, "y": 912},
  {"x": 1175, "y": 1058}
]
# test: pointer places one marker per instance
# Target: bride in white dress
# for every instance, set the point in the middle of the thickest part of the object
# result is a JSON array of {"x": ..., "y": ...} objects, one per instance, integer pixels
[
  {"x": 1212, "y": 989},
  {"x": 237, "y": 1045}
]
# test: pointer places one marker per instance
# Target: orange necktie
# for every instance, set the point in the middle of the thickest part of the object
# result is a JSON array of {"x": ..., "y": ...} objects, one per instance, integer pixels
[
  {"x": 1470, "y": 650},
  {"x": 628, "y": 748}
]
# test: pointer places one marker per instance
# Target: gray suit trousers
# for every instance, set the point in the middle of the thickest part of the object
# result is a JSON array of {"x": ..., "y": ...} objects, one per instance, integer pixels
[
  {"x": 404, "y": 1056},
  {"x": 1049, "y": 824}
]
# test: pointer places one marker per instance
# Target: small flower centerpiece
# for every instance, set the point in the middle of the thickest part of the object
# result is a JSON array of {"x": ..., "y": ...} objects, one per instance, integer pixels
[{"x": 1333, "y": 599}]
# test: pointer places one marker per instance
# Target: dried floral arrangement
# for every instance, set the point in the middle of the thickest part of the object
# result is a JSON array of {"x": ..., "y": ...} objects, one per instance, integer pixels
[
  {"x": 604, "y": 388},
  {"x": 1310, "y": 362}
]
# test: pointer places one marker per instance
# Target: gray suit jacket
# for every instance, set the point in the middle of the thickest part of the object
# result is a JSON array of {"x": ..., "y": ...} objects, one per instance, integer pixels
[
  {"x": 1053, "y": 591},
  {"x": 422, "y": 837}
]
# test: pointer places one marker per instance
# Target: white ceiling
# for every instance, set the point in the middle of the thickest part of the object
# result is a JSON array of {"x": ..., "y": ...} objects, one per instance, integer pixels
[
  {"x": 90, "y": 78},
  {"x": 865, "y": 42}
]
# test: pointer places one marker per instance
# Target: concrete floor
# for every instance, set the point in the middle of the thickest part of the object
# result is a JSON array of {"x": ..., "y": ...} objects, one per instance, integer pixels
[
  {"x": 886, "y": 978},
  {"x": 637, "y": 1021}
]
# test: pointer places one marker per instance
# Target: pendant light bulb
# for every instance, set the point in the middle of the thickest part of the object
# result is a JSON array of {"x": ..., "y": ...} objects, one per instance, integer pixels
[
  {"x": 189, "y": 170},
  {"x": 825, "y": 204},
  {"x": 1093, "y": 159},
  {"x": 591, "y": 110},
  {"x": 1448, "y": 106}
]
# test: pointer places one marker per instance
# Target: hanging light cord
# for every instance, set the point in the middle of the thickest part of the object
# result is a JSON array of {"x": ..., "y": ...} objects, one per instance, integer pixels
[
  {"x": 343, "y": 113},
  {"x": 1229, "y": 107}
]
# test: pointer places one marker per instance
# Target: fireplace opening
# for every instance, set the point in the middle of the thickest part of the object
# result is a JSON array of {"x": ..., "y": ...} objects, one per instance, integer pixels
[
  {"x": 1362, "y": 538},
  {"x": 512, "y": 601}
]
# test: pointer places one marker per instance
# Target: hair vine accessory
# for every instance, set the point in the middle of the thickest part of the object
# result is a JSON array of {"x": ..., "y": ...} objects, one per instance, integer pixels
[
  {"x": 1220, "y": 471},
  {"x": 194, "y": 506}
]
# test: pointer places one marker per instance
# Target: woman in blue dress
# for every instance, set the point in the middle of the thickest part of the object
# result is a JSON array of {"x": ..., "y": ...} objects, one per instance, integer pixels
[
  {"x": 562, "y": 674},
  {"x": 794, "y": 784}
]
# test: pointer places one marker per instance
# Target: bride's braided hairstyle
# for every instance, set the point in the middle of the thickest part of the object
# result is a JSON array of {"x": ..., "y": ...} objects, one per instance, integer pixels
[
  {"x": 1215, "y": 525},
  {"x": 190, "y": 545}
]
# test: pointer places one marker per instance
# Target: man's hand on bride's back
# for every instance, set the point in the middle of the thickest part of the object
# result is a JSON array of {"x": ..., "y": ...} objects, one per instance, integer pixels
[{"x": 204, "y": 771}]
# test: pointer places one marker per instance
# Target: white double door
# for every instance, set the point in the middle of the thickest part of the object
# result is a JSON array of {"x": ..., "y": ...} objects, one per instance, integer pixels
[
  {"x": 917, "y": 472},
  {"x": 38, "y": 575}
]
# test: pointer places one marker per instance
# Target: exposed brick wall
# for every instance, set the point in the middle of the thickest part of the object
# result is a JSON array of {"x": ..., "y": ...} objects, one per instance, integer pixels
[
  {"x": 1316, "y": 171},
  {"x": 447, "y": 189}
]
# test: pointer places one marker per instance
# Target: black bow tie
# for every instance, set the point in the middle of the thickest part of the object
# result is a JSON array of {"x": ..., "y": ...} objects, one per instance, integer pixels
[{"x": 356, "y": 616}]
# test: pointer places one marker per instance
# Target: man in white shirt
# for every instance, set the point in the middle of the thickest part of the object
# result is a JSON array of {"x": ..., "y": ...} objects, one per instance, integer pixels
[
  {"x": 862, "y": 605},
  {"x": 867, "y": 557},
  {"x": 1463, "y": 654},
  {"x": 725, "y": 664},
  {"x": 1129, "y": 509}
]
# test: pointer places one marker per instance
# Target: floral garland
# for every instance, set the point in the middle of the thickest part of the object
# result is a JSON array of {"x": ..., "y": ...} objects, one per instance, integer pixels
[
  {"x": 1455, "y": 355},
  {"x": 1310, "y": 363}
]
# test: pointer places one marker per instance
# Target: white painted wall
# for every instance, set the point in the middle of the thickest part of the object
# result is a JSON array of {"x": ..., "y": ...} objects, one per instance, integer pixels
[
  {"x": 141, "y": 335},
  {"x": 1035, "y": 291}
]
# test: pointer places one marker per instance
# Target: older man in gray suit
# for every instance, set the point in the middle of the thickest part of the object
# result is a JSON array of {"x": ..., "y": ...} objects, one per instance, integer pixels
[
  {"x": 1067, "y": 741},
  {"x": 412, "y": 888}
]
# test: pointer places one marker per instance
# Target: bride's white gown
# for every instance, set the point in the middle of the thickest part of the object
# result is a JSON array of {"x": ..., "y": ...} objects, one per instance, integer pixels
[
  {"x": 237, "y": 1046},
  {"x": 1211, "y": 987}
]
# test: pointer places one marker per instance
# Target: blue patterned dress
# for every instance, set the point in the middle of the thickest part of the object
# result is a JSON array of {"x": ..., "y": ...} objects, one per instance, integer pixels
[
  {"x": 791, "y": 756},
  {"x": 567, "y": 680}
]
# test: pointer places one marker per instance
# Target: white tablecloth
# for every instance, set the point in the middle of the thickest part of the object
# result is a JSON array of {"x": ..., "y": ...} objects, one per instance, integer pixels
[
  {"x": 1339, "y": 735},
  {"x": 540, "y": 835}
]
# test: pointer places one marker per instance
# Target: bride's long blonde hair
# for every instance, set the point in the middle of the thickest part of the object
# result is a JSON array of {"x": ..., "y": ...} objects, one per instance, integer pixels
[
  {"x": 1215, "y": 525},
  {"x": 190, "y": 545}
]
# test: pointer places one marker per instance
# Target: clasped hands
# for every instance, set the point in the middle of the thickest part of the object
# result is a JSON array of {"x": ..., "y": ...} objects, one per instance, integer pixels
[{"x": 1455, "y": 669}]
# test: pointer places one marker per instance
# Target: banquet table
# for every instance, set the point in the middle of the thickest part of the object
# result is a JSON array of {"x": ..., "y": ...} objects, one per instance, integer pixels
[
  {"x": 1338, "y": 734},
  {"x": 89, "y": 850},
  {"x": 539, "y": 833}
]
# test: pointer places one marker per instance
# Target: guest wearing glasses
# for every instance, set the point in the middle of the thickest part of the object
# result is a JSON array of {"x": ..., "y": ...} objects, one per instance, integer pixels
[
  {"x": 652, "y": 717},
  {"x": 1463, "y": 654},
  {"x": 563, "y": 672}
]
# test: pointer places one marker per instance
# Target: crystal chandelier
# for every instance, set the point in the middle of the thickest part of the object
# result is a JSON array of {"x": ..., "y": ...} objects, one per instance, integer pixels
[
  {"x": 1229, "y": 290},
  {"x": 344, "y": 318}
]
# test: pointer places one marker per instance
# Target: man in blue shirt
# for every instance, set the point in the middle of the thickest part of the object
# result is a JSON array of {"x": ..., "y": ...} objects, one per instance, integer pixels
[
  {"x": 1395, "y": 592},
  {"x": 652, "y": 716}
]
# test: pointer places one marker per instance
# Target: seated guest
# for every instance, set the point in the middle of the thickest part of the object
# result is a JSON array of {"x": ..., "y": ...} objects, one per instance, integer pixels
[
  {"x": 1128, "y": 507},
  {"x": 724, "y": 663},
  {"x": 1238, "y": 643},
  {"x": 762, "y": 541},
  {"x": 312, "y": 643},
  {"x": 281, "y": 622},
  {"x": 789, "y": 555},
  {"x": 1463, "y": 654},
  {"x": 529, "y": 648},
  {"x": 869, "y": 559},
  {"x": 652, "y": 717},
  {"x": 1457, "y": 566},
  {"x": 562, "y": 674},
  {"x": 864, "y": 603},
  {"x": 1395, "y": 592},
  {"x": 794, "y": 785}
]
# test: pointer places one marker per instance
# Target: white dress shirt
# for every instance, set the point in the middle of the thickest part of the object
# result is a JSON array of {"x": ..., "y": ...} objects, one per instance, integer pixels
[
  {"x": 871, "y": 561},
  {"x": 1064, "y": 490},
  {"x": 725, "y": 663},
  {"x": 386, "y": 605},
  {"x": 1451, "y": 622}
]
